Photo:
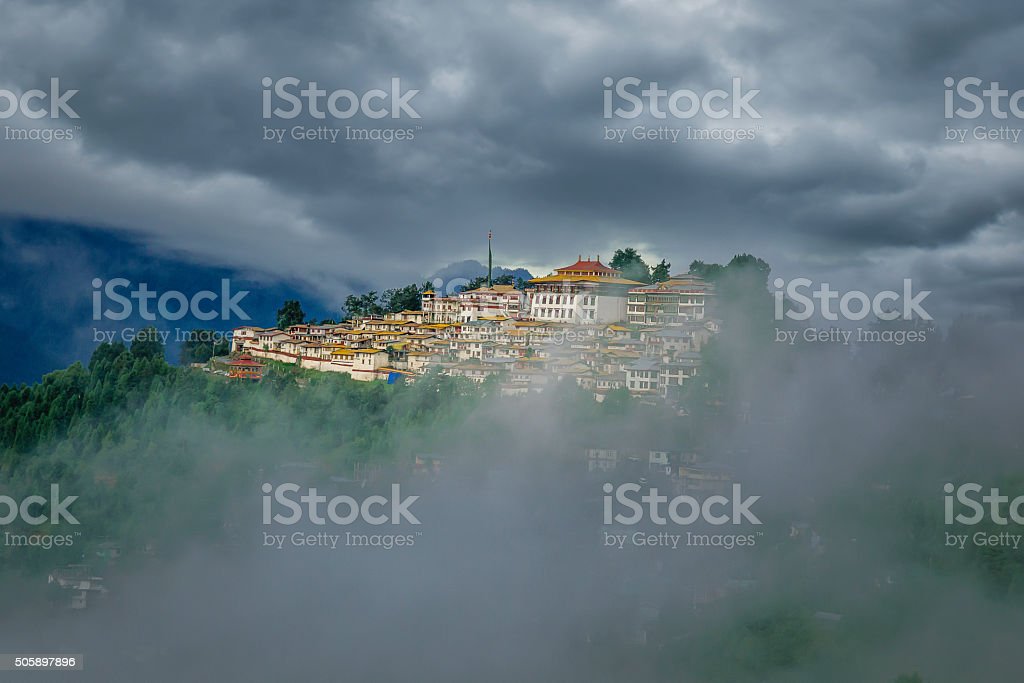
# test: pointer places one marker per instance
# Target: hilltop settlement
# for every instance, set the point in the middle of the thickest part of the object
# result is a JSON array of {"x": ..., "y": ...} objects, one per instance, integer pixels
[{"x": 584, "y": 323}]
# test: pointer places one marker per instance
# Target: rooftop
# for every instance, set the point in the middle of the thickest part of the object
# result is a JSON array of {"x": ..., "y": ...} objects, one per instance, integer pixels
[
  {"x": 589, "y": 267},
  {"x": 569, "y": 276}
]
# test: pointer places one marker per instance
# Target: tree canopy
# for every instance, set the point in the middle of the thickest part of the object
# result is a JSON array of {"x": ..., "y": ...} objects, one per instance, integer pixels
[
  {"x": 661, "y": 272},
  {"x": 289, "y": 314},
  {"x": 508, "y": 279},
  {"x": 631, "y": 264},
  {"x": 395, "y": 300}
]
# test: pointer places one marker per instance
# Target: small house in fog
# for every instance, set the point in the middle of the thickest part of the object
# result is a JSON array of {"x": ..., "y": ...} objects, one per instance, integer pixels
[
  {"x": 76, "y": 587},
  {"x": 427, "y": 463},
  {"x": 706, "y": 477}
]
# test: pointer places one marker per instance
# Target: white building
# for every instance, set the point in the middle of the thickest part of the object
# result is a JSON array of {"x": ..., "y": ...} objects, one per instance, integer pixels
[
  {"x": 439, "y": 309},
  {"x": 584, "y": 293},
  {"x": 679, "y": 300},
  {"x": 503, "y": 300}
]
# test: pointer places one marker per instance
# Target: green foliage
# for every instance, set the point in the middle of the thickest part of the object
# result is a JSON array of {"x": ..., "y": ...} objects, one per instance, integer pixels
[
  {"x": 476, "y": 283},
  {"x": 744, "y": 273},
  {"x": 289, "y": 314},
  {"x": 617, "y": 402},
  {"x": 507, "y": 279},
  {"x": 783, "y": 639},
  {"x": 631, "y": 264},
  {"x": 116, "y": 377},
  {"x": 394, "y": 300},
  {"x": 744, "y": 304},
  {"x": 146, "y": 344},
  {"x": 131, "y": 434},
  {"x": 362, "y": 306},
  {"x": 401, "y": 299},
  {"x": 708, "y": 271},
  {"x": 749, "y": 640},
  {"x": 661, "y": 272},
  {"x": 202, "y": 345}
]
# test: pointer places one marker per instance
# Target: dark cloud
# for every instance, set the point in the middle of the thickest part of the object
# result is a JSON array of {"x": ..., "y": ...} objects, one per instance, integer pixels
[{"x": 849, "y": 164}]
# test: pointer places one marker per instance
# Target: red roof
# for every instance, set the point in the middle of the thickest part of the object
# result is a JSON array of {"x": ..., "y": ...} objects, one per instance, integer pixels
[
  {"x": 245, "y": 360},
  {"x": 588, "y": 267}
]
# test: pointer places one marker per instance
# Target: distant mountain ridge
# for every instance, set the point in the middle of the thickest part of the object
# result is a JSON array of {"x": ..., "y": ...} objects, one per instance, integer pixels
[
  {"x": 46, "y": 295},
  {"x": 46, "y": 311},
  {"x": 472, "y": 268}
]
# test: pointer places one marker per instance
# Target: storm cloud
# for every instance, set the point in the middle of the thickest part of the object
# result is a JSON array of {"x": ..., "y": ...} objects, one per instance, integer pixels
[{"x": 849, "y": 177}]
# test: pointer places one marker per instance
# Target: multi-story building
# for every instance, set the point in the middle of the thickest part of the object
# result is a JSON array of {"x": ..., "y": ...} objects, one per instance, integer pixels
[
  {"x": 584, "y": 293},
  {"x": 242, "y": 336},
  {"x": 504, "y": 300},
  {"x": 679, "y": 300},
  {"x": 269, "y": 339},
  {"x": 648, "y": 375},
  {"x": 667, "y": 341},
  {"x": 309, "y": 332},
  {"x": 439, "y": 309},
  {"x": 642, "y": 375}
]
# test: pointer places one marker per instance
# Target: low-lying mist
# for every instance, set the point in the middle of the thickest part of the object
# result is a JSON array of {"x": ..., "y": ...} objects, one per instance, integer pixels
[{"x": 509, "y": 575}]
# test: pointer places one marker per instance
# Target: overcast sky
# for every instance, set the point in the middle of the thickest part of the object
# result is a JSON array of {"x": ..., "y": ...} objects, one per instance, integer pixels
[{"x": 849, "y": 177}]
